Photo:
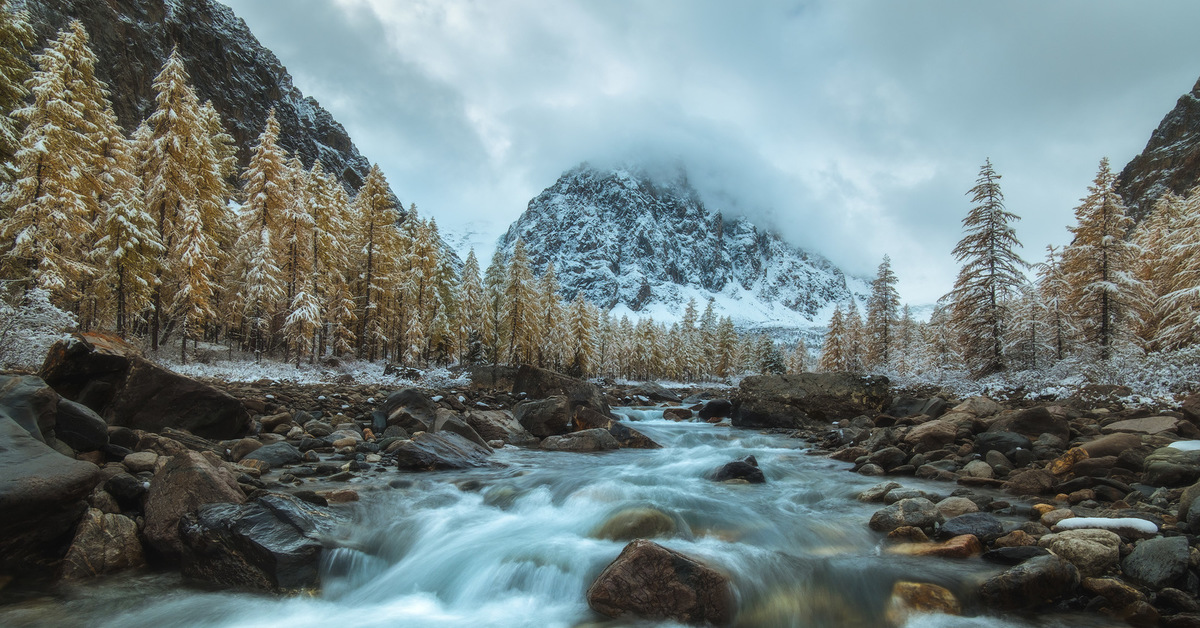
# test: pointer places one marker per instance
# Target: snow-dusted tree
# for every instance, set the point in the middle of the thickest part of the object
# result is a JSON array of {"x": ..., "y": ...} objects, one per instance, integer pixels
[
  {"x": 261, "y": 284},
  {"x": 907, "y": 336},
  {"x": 797, "y": 359},
  {"x": 550, "y": 347},
  {"x": 329, "y": 208},
  {"x": 302, "y": 315},
  {"x": 378, "y": 248},
  {"x": 883, "y": 315},
  {"x": 991, "y": 271},
  {"x": 491, "y": 330},
  {"x": 939, "y": 341},
  {"x": 1027, "y": 338},
  {"x": 1054, "y": 293},
  {"x": 581, "y": 335},
  {"x": 471, "y": 310},
  {"x": 770, "y": 360},
  {"x": 1158, "y": 263},
  {"x": 706, "y": 337},
  {"x": 725, "y": 348},
  {"x": 521, "y": 325},
  {"x": 1176, "y": 287},
  {"x": 856, "y": 339},
  {"x": 1098, "y": 266},
  {"x": 192, "y": 302},
  {"x": 835, "y": 352},
  {"x": 16, "y": 39}
]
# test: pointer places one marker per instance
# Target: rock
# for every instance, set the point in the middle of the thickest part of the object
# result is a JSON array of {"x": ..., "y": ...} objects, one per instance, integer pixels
[
  {"x": 448, "y": 421},
  {"x": 888, "y": 458},
  {"x": 104, "y": 543},
  {"x": 499, "y": 425},
  {"x": 1158, "y": 562},
  {"x": 627, "y": 437},
  {"x": 1150, "y": 425},
  {"x": 127, "y": 489},
  {"x": 654, "y": 392},
  {"x": 636, "y": 523},
  {"x": 276, "y": 455},
  {"x": 539, "y": 383},
  {"x": 1030, "y": 482},
  {"x": 1093, "y": 552},
  {"x": 910, "y": 598},
  {"x": 598, "y": 439},
  {"x": 140, "y": 461},
  {"x": 243, "y": 447},
  {"x": 1111, "y": 445},
  {"x": 79, "y": 427},
  {"x": 432, "y": 451},
  {"x": 908, "y": 534},
  {"x": 29, "y": 402},
  {"x": 544, "y": 417},
  {"x": 912, "y": 406},
  {"x": 1118, "y": 594},
  {"x": 954, "y": 506},
  {"x": 716, "y": 409},
  {"x": 978, "y": 406},
  {"x": 1053, "y": 517},
  {"x": 185, "y": 483},
  {"x": 321, "y": 429},
  {"x": 790, "y": 401},
  {"x": 1014, "y": 555},
  {"x": 269, "y": 423},
  {"x": 1065, "y": 463},
  {"x": 107, "y": 375},
  {"x": 42, "y": 495},
  {"x": 1168, "y": 466},
  {"x": 1036, "y": 582},
  {"x": 977, "y": 469},
  {"x": 1032, "y": 423},
  {"x": 963, "y": 546},
  {"x": 745, "y": 469},
  {"x": 980, "y": 524},
  {"x": 917, "y": 512},
  {"x": 677, "y": 414},
  {"x": 876, "y": 493},
  {"x": 648, "y": 581},
  {"x": 931, "y": 435},
  {"x": 270, "y": 543},
  {"x": 1003, "y": 442},
  {"x": 410, "y": 409}
]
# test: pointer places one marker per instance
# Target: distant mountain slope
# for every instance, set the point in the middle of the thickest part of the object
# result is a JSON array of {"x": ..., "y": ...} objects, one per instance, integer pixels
[
  {"x": 1170, "y": 161},
  {"x": 626, "y": 239},
  {"x": 132, "y": 39}
]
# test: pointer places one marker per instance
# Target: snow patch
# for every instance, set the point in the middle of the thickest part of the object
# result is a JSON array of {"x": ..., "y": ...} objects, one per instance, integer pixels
[{"x": 1118, "y": 523}]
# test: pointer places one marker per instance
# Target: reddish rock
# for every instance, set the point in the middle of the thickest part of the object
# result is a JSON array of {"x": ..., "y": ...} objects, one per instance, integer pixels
[{"x": 649, "y": 581}]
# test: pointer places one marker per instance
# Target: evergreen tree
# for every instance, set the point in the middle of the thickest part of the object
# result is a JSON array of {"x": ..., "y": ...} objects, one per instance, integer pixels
[
  {"x": 379, "y": 247},
  {"x": 835, "y": 352},
  {"x": 550, "y": 344},
  {"x": 797, "y": 359},
  {"x": 1170, "y": 270},
  {"x": 492, "y": 325},
  {"x": 472, "y": 305},
  {"x": 296, "y": 230},
  {"x": 883, "y": 316},
  {"x": 991, "y": 271},
  {"x": 1053, "y": 290},
  {"x": 521, "y": 324},
  {"x": 725, "y": 345},
  {"x": 581, "y": 332},
  {"x": 907, "y": 335},
  {"x": 1098, "y": 266},
  {"x": 856, "y": 341},
  {"x": 16, "y": 39}
]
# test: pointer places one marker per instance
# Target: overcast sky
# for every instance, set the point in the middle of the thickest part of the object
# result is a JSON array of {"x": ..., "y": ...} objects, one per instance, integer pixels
[{"x": 854, "y": 128}]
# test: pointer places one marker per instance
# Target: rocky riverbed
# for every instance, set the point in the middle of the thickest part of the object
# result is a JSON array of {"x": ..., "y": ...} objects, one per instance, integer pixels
[{"x": 114, "y": 469}]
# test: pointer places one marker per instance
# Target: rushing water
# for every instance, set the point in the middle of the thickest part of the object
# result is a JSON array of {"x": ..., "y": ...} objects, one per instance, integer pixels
[{"x": 515, "y": 546}]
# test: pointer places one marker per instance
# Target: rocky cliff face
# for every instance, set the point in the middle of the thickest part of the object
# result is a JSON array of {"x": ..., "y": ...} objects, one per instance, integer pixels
[
  {"x": 244, "y": 80},
  {"x": 626, "y": 239},
  {"x": 1171, "y": 160}
]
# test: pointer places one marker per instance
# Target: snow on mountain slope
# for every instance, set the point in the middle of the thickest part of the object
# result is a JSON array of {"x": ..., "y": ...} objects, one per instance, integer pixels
[{"x": 644, "y": 245}]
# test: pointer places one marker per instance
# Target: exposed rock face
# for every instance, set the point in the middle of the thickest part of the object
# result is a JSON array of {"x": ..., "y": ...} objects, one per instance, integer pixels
[
  {"x": 108, "y": 376},
  {"x": 613, "y": 235},
  {"x": 227, "y": 64},
  {"x": 184, "y": 484},
  {"x": 1171, "y": 160},
  {"x": 790, "y": 401},
  {"x": 650, "y": 581},
  {"x": 540, "y": 383}
]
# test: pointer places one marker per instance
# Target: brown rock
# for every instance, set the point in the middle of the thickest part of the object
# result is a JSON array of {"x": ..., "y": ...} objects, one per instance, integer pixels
[
  {"x": 978, "y": 406},
  {"x": 1148, "y": 425},
  {"x": 962, "y": 546},
  {"x": 539, "y": 383},
  {"x": 932, "y": 435},
  {"x": 1030, "y": 482},
  {"x": 1052, "y": 518},
  {"x": 185, "y": 483},
  {"x": 807, "y": 398},
  {"x": 920, "y": 597},
  {"x": 104, "y": 543},
  {"x": 909, "y": 534},
  {"x": 243, "y": 448},
  {"x": 1032, "y": 423},
  {"x": 649, "y": 581},
  {"x": 1111, "y": 445},
  {"x": 1063, "y": 464},
  {"x": 342, "y": 496},
  {"x": 1016, "y": 538},
  {"x": 1118, "y": 594},
  {"x": 677, "y": 414}
]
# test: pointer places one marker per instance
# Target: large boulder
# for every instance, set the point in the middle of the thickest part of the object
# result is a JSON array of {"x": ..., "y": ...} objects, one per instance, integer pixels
[
  {"x": 913, "y": 406},
  {"x": 544, "y": 417},
  {"x": 42, "y": 496},
  {"x": 29, "y": 402},
  {"x": 745, "y": 470},
  {"x": 79, "y": 427},
  {"x": 1036, "y": 582},
  {"x": 931, "y": 435},
  {"x": 598, "y": 439},
  {"x": 790, "y": 401},
  {"x": 649, "y": 581},
  {"x": 434, "y": 451},
  {"x": 271, "y": 543},
  {"x": 1168, "y": 466},
  {"x": 499, "y": 425},
  {"x": 539, "y": 383},
  {"x": 629, "y": 438},
  {"x": 1033, "y": 422},
  {"x": 104, "y": 543},
  {"x": 410, "y": 409},
  {"x": 1111, "y": 445},
  {"x": 654, "y": 392},
  {"x": 1092, "y": 551},
  {"x": 276, "y": 455},
  {"x": 1157, "y": 562},
  {"x": 983, "y": 525},
  {"x": 1152, "y": 425},
  {"x": 186, "y": 482},
  {"x": 917, "y": 512},
  {"x": 107, "y": 375},
  {"x": 448, "y": 421}
]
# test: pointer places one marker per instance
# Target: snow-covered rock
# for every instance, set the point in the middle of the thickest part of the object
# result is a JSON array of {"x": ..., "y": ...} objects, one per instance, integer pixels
[{"x": 643, "y": 244}]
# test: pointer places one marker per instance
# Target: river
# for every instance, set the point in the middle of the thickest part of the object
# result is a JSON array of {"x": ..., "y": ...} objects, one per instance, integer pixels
[{"x": 516, "y": 546}]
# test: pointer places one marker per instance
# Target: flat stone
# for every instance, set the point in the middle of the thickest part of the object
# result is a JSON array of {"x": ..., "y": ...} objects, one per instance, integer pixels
[
  {"x": 1158, "y": 562},
  {"x": 1147, "y": 425}
]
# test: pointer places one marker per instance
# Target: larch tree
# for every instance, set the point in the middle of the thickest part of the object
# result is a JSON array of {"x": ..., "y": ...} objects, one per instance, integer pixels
[
  {"x": 16, "y": 39},
  {"x": 1175, "y": 288},
  {"x": 990, "y": 274},
  {"x": 907, "y": 335},
  {"x": 883, "y": 316},
  {"x": 472, "y": 307},
  {"x": 491, "y": 328},
  {"x": 550, "y": 313},
  {"x": 725, "y": 345},
  {"x": 582, "y": 342},
  {"x": 797, "y": 358},
  {"x": 521, "y": 324},
  {"x": 856, "y": 339},
  {"x": 303, "y": 312},
  {"x": 1098, "y": 266},
  {"x": 377, "y": 252},
  {"x": 1054, "y": 292},
  {"x": 835, "y": 351}
]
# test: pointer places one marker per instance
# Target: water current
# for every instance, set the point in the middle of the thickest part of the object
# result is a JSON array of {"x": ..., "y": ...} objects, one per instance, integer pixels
[{"x": 516, "y": 546}]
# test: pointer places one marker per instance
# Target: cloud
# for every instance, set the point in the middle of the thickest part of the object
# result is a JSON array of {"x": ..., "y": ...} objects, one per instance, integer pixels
[{"x": 853, "y": 127}]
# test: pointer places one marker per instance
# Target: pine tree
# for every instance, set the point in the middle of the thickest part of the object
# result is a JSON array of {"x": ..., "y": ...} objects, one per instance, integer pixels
[
  {"x": 991, "y": 271},
  {"x": 582, "y": 332},
  {"x": 550, "y": 344},
  {"x": 471, "y": 307},
  {"x": 16, "y": 39},
  {"x": 1098, "y": 266},
  {"x": 797, "y": 358},
  {"x": 1053, "y": 291},
  {"x": 329, "y": 208},
  {"x": 1026, "y": 343},
  {"x": 856, "y": 339},
  {"x": 835, "y": 353},
  {"x": 492, "y": 325},
  {"x": 296, "y": 230},
  {"x": 521, "y": 325},
  {"x": 725, "y": 346},
  {"x": 907, "y": 335},
  {"x": 883, "y": 316}
]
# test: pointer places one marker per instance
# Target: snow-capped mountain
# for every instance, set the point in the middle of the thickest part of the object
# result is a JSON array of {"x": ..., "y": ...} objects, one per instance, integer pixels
[
  {"x": 644, "y": 244},
  {"x": 1171, "y": 160},
  {"x": 227, "y": 64}
]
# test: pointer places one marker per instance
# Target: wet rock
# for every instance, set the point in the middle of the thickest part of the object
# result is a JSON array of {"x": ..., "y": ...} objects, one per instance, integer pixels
[
  {"x": 1003, "y": 442},
  {"x": 909, "y": 598},
  {"x": 499, "y": 425},
  {"x": 1036, "y": 582},
  {"x": 276, "y": 455},
  {"x": 1158, "y": 562},
  {"x": 140, "y": 461},
  {"x": 1030, "y": 482},
  {"x": 963, "y": 546},
  {"x": 433, "y": 451},
  {"x": 677, "y": 414},
  {"x": 796, "y": 400},
  {"x": 582, "y": 441},
  {"x": 980, "y": 524},
  {"x": 637, "y": 523},
  {"x": 648, "y": 581},
  {"x": 539, "y": 383},
  {"x": 898, "y": 494},
  {"x": 186, "y": 482},
  {"x": 744, "y": 469},
  {"x": 716, "y": 409},
  {"x": 876, "y": 493},
  {"x": 977, "y": 469},
  {"x": 917, "y": 512},
  {"x": 42, "y": 495},
  {"x": 104, "y": 543},
  {"x": 448, "y": 421},
  {"x": 243, "y": 447},
  {"x": 888, "y": 458},
  {"x": 30, "y": 403},
  {"x": 410, "y": 409},
  {"x": 544, "y": 417},
  {"x": 654, "y": 392},
  {"x": 1093, "y": 552},
  {"x": 127, "y": 490},
  {"x": 1014, "y": 555},
  {"x": 107, "y": 375},
  {"x": 271, "y": 543},
  {"x": 79, "y": 427},
  {"x": 954, "y": 506},
  {"x": 931, "y": 435},
  {"x": 1118, "y": 594},
  {"x": 321, "y": 429},
  {"x": 627, "y": 437}
]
